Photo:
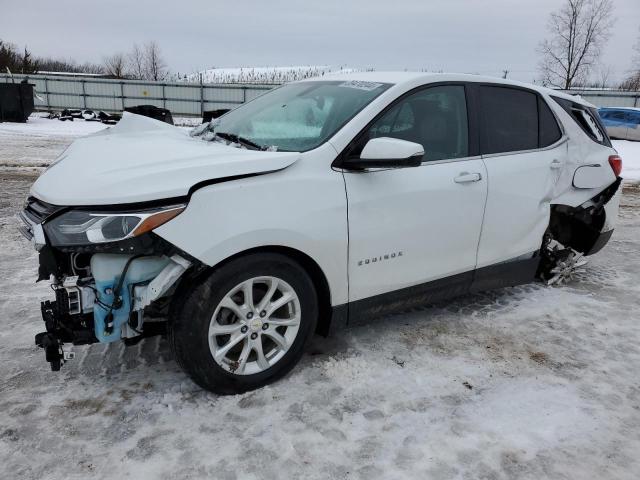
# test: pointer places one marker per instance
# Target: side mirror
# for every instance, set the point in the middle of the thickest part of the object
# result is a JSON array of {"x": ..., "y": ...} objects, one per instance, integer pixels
[
  {"x": 589, "y": 176},
  {"x": 385, "y": 152}
]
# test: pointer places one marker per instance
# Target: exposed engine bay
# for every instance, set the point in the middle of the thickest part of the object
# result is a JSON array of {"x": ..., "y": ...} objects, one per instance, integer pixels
[
  {"x": 112, "y": 297},
  {"x": 105, "y": 292}
]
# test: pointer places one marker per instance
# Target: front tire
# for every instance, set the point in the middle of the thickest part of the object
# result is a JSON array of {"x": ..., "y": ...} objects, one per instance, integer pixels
[{"x": 246, "y": 324}]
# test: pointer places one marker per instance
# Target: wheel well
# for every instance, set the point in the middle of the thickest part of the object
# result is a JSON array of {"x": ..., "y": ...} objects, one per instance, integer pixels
[{"x": 311, "y": 267}]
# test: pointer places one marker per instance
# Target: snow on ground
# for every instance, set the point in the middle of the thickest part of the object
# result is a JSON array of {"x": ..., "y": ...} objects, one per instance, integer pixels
[
  {"x": 529, "y": 382},
  {"x": 630, "y": 153},
  {"x": 262, "y": 74},
  {"x": 40, "y": 140}
]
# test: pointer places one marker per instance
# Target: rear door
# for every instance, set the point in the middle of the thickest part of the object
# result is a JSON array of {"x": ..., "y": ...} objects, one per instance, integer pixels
[{"x": 523, "y": 150}]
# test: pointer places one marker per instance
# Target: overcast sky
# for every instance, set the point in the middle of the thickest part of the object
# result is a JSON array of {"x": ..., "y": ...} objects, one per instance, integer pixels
[{"x": 475, "y": 36}]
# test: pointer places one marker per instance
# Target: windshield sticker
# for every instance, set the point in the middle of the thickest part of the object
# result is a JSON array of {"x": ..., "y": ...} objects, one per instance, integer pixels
[{"x": 368, "y": 86}]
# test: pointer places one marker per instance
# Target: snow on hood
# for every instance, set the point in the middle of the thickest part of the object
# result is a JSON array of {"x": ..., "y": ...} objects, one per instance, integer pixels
[{"x": 141, "y": 159}]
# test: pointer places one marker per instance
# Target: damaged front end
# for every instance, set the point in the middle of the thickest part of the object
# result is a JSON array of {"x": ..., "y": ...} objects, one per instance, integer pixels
[{"x": 111, "y": 275}]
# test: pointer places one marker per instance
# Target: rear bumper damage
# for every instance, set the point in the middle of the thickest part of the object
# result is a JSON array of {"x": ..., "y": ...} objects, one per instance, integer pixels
[{"x": 588, "y": 227}]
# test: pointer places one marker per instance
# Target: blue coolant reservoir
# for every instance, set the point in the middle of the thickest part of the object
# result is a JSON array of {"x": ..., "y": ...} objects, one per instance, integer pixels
[{"x": 107, "y": 269}]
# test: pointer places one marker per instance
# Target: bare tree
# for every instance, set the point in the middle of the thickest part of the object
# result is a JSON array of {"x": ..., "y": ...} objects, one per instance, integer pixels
[
  {"x": 115, "y": 65},
  {"x": 48, "y": 64},
  {"x": 136, "y": 64},
  {"x": 604, "y": 76},
  {"x": 577, "y": 33},
  {"x": 155, "y": 66},
  {"x": 146, "y": 62},
  {"x": 633, "y": 81}
]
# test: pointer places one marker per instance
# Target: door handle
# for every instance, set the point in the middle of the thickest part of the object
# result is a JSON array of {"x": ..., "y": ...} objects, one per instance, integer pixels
[
  {"x": 555, "y": 165},
  {"x": 466, "y": 177}
]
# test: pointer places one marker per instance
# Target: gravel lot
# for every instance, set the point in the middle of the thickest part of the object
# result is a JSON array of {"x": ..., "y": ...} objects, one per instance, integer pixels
[{"x": 529, "y": 382}]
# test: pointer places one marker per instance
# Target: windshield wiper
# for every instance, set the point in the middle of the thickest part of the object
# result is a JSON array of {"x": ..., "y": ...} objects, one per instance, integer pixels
[{"x": 232, "y": 137}]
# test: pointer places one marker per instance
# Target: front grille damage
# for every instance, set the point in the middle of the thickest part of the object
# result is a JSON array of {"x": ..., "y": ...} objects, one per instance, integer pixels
[{"x": 63, "y": 327}]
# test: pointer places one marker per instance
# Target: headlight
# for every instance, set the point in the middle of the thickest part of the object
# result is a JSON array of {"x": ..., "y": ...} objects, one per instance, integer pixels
[{"x": 78, "y": 227}]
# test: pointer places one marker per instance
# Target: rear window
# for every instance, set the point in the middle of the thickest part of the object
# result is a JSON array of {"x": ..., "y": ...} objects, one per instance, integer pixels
[
  {"x": 510, "y": 120},
  {"x": 587, "y": 118}
]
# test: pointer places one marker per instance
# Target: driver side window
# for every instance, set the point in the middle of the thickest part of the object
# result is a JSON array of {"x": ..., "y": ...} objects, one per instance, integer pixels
[{"x": 435, "y": 117}]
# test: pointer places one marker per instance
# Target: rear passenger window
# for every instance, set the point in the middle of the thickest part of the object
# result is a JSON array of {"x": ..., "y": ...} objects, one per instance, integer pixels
[
  {"x": 549, "y": 131},
  {"x": 509, "y": 120}
]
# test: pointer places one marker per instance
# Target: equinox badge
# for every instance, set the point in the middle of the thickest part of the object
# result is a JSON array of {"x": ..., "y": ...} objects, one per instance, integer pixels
[{"x": 381, "y": 258}]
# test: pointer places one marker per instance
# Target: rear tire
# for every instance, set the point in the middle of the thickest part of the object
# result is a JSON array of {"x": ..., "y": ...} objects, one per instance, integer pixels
[{"x": 230, "y": 338}]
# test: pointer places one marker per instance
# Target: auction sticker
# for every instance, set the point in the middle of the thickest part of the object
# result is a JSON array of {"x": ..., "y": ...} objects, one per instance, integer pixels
[{"x": 368, "y": 86}]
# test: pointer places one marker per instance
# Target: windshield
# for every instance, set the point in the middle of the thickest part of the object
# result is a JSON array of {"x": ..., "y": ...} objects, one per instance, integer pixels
[{"x": 295, "y": 117}]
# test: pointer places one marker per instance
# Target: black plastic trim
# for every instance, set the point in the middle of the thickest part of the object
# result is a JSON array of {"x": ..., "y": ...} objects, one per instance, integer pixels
[
  {"x": 600, "y": 242},
  {"x": 361, "y": 311},
  {"x": 507, "y": 274}
]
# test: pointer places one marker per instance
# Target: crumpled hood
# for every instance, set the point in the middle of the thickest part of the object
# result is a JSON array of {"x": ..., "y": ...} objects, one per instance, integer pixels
[{"x": 141, "y": 159}]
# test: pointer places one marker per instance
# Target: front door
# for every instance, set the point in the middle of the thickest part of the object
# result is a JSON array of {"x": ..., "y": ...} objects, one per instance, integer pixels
[{"x": 416, "y": 225}]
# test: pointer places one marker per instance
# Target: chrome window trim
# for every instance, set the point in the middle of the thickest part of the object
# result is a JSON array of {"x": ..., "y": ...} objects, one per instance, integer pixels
[
  {"x": 449, "y": 160},
  {"x": 561, "y": 141}
]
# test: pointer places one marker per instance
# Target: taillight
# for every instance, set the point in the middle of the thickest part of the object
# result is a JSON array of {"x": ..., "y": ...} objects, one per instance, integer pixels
[{"x": 616, "y": 164}]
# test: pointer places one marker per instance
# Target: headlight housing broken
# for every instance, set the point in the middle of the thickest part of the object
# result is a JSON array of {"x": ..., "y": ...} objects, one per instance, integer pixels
[{"x": 80, "y": 227}]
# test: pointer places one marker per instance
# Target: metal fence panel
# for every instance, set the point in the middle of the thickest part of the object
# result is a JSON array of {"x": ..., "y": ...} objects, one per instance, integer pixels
[
  {"x": 608, "y": 98},
  {"x": 109, "y": 95},
  {"x": 191, "y": 99}
]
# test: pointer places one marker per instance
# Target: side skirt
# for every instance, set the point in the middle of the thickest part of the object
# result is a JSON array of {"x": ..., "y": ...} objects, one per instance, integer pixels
[
  {"x": 507, "y": 274},
  {"x": 362, "y": 311}
]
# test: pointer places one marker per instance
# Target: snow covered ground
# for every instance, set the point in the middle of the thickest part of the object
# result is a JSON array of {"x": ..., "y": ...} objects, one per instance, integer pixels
[
  {"x": 35, "y": 144},
  {"x": 529, "y": 382},
  {"x": 39, "y": 141}
]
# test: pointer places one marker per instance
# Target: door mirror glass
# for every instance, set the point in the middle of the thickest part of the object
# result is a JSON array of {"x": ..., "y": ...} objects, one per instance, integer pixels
[{"x": 385, "y": 152}]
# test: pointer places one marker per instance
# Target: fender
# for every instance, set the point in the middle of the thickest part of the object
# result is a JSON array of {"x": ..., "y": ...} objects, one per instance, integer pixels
[{"x": 302, "y": 207}]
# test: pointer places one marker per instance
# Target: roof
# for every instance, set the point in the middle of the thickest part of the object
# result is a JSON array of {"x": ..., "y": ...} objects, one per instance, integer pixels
[{"x": 398, "y": 78}]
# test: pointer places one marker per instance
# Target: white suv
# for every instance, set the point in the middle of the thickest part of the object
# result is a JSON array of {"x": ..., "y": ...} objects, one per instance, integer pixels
[{"x": 320, "y": 204}]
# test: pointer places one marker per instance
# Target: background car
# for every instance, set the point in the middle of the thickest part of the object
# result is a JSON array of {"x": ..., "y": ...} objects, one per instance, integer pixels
[{"x": 621, "y": 123}]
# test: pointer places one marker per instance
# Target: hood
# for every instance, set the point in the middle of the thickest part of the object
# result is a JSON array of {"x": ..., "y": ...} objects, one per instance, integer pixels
[{"x": 141, "y": 159}]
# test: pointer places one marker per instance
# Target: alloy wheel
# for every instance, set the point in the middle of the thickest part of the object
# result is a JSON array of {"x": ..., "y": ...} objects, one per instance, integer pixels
[{"x": 254, "y": 325}]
